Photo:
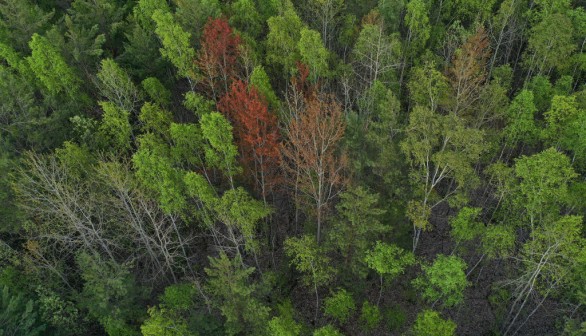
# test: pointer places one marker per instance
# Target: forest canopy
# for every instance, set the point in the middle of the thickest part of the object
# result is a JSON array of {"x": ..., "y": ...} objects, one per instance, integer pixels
[{"x": 292, "y": 167}]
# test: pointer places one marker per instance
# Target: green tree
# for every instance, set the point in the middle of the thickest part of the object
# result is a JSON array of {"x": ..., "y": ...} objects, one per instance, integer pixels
[
  {"x": 19, "y": 316},
  {"x": 116, "y": 86},
  {"x": 370, "y": 315},
  {"x": 328, "y": 330},
  {"x": 228, "y": 282},
  {"x": 115, "y": 130},
  {"x": 465, "y": 226},
  {"x": 340, "y": 305},
  {"x": 176, "y": 46},
  {"x": 313, "y": 54},
  {"x": 429, "y": 322},
  {"x": 260, "y": 80},
  {"x": 110, "y": 294},
  {"x": 443, "y": 281},
  {"x": 388, "y": 261},
  {"x": 282, "y": 41},
  {"x": 220, "y": 152},
  {"x": 284, "y": 324},
  {"x": 376, "y": 55},
  {"x": 550, "y": 44},
  {"x": 192, "y": 15},
  {"x": 357, "y": 226},
  {"x": 156, "y": 91},
  {"x": 50, "y": 68},
  {"x": 439, "y": 148},
  {"x": 520, "y": 118},
  {"x": 310, "y": 259},
  {"x": 19, "y": 20}
]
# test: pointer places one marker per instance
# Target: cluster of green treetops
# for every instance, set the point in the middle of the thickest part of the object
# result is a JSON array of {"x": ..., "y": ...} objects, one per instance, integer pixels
[{"x": 292, "y": 167}]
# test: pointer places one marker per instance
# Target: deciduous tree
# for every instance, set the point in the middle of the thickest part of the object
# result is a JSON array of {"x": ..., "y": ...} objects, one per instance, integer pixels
[{"x": 311, "y": 155}]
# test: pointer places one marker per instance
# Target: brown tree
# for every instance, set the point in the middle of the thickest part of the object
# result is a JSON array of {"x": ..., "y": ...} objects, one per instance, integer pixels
[
  {"x": 467, "y": 74},
  {"x": 220, "y": 48},
  {"x": 256, "y": 132},
  {"x": 311, "y": 156}
]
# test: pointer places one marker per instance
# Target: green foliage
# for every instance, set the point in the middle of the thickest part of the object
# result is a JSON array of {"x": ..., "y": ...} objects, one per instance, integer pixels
[
  {"x": 50, "y": 68},
  {"x": 198, "y": 104},
  {"x": 19, "y": 316},
  {"x": 236, "y": 208},
  {"x": 357, "y": 226},
  {"x": 156, "y": 91},
  {"x": 246, "y": 18},
  {"x": 109, "y": 294},
  {"x": 340, "y": 305},
  {"x": 498, "y": 241},
  {"x": 260, "y": 80},
  {"x": 309, "y": 259},
  {"x": 313, "y": 53},
  {"x": 376, "y": 54},
  {"x": 176, "y": 46},
  {"x": 444, "y": 280},
  {"x": 19, "y": 20},
  {"x": 284, "y": 324},
  {"x": 542, "y": 92},
  {"x": 62, "y": 315},
  {"x": 115, "y": 130},
  {"x": 229, "y": 282},
  {"x": 428, "y": 87},
  {"x": 328, "y": 330},
  {"x": 282, "y": 41},
  {"x": 543, "y": 184},
  {"x": 193, "y": 15},
  {"x": 520, "y": 115},
  {"x": 465, "y": 226},
  {"x": 429, "y": 322},
  {"x": 221, "y": 152},
  {"x": 160, "y": 324},
  {"x": 154, "y": 119},
  {"x": 395, "y": 318},
  {"x": 389, "y": 261},
  {"x": 116, "y": 86},
  {"x": 550, "y": 44},
  {"x": 370, "y": 315}
]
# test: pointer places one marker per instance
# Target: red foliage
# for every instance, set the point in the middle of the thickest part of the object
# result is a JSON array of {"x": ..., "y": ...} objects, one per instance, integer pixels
[
  {"x": 218, "y": 56},
  {"x": 256, "y": 132}
]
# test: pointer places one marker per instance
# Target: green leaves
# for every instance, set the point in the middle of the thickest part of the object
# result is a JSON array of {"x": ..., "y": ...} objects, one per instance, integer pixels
[
  {"x": 228, "y": 282},
  {"x": 313, "y": 53},
  {"x": 389, "y": 261},
  {"x": 176, "y": 46},
  {"x": 116, "y": 86},
  {"x": 357, "y": 226},
  {"x": 221, "y": 152},
  {"x": 310, "y": 259},
  {"x": 429, "y": 322},
  {"x": 340, "y": 305},
  {"x": 543, "y": 183},
  {"x": 520, "y": 115},
  {"x": 282, "y": 41},
  {"x": 18, "y": 316},
  {"x": 444, "y": 280},
  {"x": 50, "y": 67},
  {"x": 115, "y": 130},
  {"x": 465, "y": 226}
]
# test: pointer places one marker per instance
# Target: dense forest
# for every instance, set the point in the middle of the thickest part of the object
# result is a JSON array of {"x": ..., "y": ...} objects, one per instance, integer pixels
[{"x": 292, "y": 167}]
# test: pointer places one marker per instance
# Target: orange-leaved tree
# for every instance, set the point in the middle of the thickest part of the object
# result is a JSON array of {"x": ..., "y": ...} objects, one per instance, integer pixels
[
  {"x": 218, "y": 56},
  {"x": 467, "y": 74},
  {"x": 311, "y": 155},
  {"x": 256, "y": 132}
]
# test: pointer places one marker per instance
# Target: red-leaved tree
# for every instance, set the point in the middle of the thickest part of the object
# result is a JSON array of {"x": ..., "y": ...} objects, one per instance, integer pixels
[
  {"x": 256, "y": 131},
  {"x": 218, "y": 56}
]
